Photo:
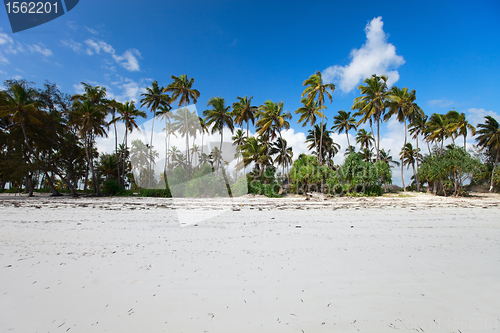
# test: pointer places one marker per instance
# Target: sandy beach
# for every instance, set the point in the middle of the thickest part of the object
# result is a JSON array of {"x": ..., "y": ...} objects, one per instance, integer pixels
[{"x": 410, "y": 263}]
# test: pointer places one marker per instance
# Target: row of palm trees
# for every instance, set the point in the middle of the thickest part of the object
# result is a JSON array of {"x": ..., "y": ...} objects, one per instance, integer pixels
[{"x": 89, "y": 113}]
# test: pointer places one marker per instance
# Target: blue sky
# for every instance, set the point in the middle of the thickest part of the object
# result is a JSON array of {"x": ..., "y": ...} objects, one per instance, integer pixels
[{"x": 448, "y": 51}]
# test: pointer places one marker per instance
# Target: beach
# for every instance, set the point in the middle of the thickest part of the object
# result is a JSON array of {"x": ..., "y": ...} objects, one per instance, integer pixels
[{"x": 412, "y": 262}]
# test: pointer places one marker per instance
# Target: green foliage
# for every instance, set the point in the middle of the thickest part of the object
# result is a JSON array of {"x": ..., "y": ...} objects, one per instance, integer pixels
[
  {"x": 111, "y": 186},
  {"x": 451, "y": 169},
  {"x": 354, "y": 177},
  {"x": 161, "y": 193}
]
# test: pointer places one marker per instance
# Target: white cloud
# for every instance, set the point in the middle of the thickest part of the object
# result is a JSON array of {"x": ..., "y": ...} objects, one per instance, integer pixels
[
  {"x": 476, "y": 116},
  {"x": 441, "y": 102},
  {"x": 40, "y": 48},
  {"x": 5, "y": 39},
  {"x": 92, "y": 31},
  {"x": 75, "y": 46},
  {"x": 72, "y": 25},
  {"x": 376, "y": 56},
  {"x": 127, "y": 60}
]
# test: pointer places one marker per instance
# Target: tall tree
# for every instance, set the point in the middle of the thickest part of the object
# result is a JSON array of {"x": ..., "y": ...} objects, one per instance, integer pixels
[
  {"x": 128, "y": 115},
  {"x": 243, "y": 111},
  {"x": 344, "y": 122},
  {"x": 364, "y": 138},
  {"x": 488, "y": 137},
  {"x": 219, "y": 116},
  {"x": 317, "y": 89},
  {"x": 283, "y": 154},
  {"x": 272, "y": 119},
  {"x": 154, "y": 99},
  {"x": 90, "y": 120},
  {"x": 182, "y": 90},
  {"x": 20, "y": 103},
  {"x": 409, "y": 156},
  {"x": 371, "y": 105}
]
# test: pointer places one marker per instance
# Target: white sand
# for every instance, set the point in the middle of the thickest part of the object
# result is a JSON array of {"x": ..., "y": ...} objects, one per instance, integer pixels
[{"x": 425, "y": 264}]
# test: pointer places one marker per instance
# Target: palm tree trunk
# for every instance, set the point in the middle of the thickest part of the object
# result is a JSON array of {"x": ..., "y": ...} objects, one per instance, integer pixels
[
  {"x": 320, "y": 157},
  {"x": 151, "y": 149},
  {"x": 347, "y": 136},
  {"x": 493, "y": 172},
  {"x": 465, "y": 142},
  {"x": 116, "y": 152},
  {"x": 247, "y": 129},
  {"x": 416, "y": 175},
  {"x": 402, "y": 178},
  {"x": 378, "y": 137}
]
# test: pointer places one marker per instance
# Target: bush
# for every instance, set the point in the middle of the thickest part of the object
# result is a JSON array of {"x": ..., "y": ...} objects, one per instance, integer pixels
[
  {"x": 160, "y": 193},
  {"x": 111, "y": 186}
]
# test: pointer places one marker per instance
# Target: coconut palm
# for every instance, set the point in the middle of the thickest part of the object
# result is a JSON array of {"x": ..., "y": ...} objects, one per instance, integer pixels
[
  {"x": 343, "y": 122},
  {"x": 255, "y": 152},
  {"x": 283, "y": 154},
  {"x": 308, "y": 112},
  {"x": 128, "y": 115},
  {"x": 488, "y": 137},
  {"x": 90, "y": 121},
  {"x": 365, "y": 139},
  {"x": 315, "y": 88},
  {"x": 387, "y": 158},
  {"x": 272, "y": 119},
  {"x": 437, "y": 129},
  {"x": 238, "y": 138},
  {"x": 458, "y": 125},
  {"x": 371, "y": 105},
  {"x": 182, "y": 90},
  {"x": 328, "y": 148},
  {"x": 409, "y": 156},
  {"x": 218, "y": 117},
  {"x": 243, "y": 111},
  {"x": 154, "y": 99}
]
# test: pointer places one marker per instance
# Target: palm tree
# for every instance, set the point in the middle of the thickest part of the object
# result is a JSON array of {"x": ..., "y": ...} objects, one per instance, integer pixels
[
  {"x": 365, "y": 139},
  {"x": 387, "y": 158},
  {"x": 255, "y": 152},
  {"x": 128, "y": 115},
  {"x": 308, "y": 112},
  {"x": 488, "y": 137},
  {"x": 328, "y": 149},
  {"x": 409, "y": 156},
  {"x": 283, "y": 154},
  {"x": 90, "y": 120},
  {"x": 402, "y": 104},
  {"x": 182, "y": 90},
  {"x": 315, "y": 88},
  {"x": 343, "y": 122},
  {"x": 244, "y": 112},
  {"x": 371, "y": 105},
  {"x": 437, "y": 129},
  {"x": 271, "y": 119},
  {"x": 113, "y": 104},
  {"x": 458, "y": 125},
  {"x": 218, "y": 117},
  {"x": 366, "y": 154},
  {"x": 203, "y": 129},
  {"x": 154, "y": 99},
  {"x": 238, "y": 139}
]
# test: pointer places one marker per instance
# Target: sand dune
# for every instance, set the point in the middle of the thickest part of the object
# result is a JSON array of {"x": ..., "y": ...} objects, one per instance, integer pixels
[{"x": 423, "y": 263}]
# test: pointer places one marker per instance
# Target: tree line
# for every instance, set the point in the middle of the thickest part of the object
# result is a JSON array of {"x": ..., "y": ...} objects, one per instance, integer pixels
[{"x": 48, "y": 139}]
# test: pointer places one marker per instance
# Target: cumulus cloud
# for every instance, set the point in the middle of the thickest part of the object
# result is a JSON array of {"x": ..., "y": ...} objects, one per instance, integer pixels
[
  {"x": 127, "y": 60},
  {"x": 441, "y": 102},
  {"x": 376, "y": 56}
]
